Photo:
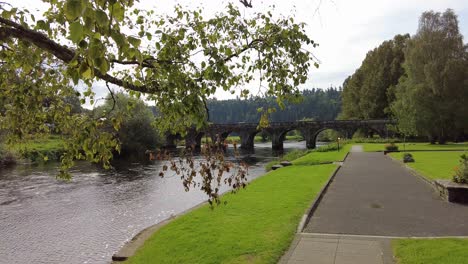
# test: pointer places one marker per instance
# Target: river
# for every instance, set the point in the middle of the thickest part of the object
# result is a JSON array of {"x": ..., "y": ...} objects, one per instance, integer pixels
[{"x": 86, "y": 220}]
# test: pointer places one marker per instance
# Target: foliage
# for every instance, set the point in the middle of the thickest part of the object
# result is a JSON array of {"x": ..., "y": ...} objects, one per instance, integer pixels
[
  {"x": 40, "y": 149},
  {"x": 391, "y": 147},
  {"x": 461, "y": 171},
  {"x": 432, "y": 164},
  {"x": 137, "y": 133},
  {"x": 6, "y": 157},
  {"x": 315, "y": 103},
  {"x": 431, "y": 98},
  {"x": 408, "y": 157},
  {"x": 430, "y": 251},
  {"x": 257, "y": 226},
  {"x": 367, "y": 93},
  {"x": 178, "y": 61}
]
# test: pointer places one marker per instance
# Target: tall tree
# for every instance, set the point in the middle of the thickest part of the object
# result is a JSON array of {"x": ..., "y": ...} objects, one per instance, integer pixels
[
  {"x": 431, "y": 99},
  {"x": 366, "y": 93}
]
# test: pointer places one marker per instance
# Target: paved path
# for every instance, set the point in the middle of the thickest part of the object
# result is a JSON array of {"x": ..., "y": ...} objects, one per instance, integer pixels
[
  {"x": 371, "y": 196},
  {"x": 338, "y": 249}
]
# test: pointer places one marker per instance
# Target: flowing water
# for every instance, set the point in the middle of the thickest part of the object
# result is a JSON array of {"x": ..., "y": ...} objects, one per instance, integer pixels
[{"x": 86, "y": 220}]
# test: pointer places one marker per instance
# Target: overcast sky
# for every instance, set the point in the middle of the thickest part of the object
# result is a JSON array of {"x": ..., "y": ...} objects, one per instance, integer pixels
[{"x": 346, "y": 30}]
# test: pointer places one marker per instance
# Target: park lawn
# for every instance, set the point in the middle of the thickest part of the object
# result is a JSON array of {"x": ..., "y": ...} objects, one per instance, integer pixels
[
  {"x": 433, "y": 164},
  {"x": 256, "y": 226},
  {"x": 317, "y": 157},
  {"x": 431, "y": 251},
  {"x": 420, "y": 146}
]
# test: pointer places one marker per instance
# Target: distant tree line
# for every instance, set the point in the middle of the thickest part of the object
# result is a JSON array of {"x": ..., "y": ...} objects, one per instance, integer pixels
[
  {"x": 420, "y": 80},
  {"x": 314, "y": 104}
]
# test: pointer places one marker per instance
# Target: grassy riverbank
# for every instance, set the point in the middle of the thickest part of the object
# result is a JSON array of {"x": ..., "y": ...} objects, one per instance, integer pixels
[
  {"x": 433, "y": 164},
  {"x": 256, "y": 226},
  {"x": 370, "y": 147},
  {"x": 431, "y": 251},
  {"x": 40, "y": 149},
  {"x": 324, "y": 154}
]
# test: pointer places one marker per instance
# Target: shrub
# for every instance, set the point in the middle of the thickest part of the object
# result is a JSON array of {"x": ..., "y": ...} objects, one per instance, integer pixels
[
  {"x": 407, "y": 157},
  {"x": 391, "y": 147},
  {"x": 6, "y": 158},
  {"x": 461, "y": 171}
]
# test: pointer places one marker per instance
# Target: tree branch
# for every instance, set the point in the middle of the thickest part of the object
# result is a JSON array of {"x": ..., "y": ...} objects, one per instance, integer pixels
[
  {"x": 61, "y": 52},
  {"x": 246, "y": 3}
]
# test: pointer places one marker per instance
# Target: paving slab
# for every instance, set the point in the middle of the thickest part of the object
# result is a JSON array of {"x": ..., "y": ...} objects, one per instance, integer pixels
[
  {"x": 373, "y": 195},
  {"x": 337, "y": 250}
]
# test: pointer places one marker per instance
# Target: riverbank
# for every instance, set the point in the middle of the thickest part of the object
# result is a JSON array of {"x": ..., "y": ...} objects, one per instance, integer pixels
[
  {"x": 256, "y": 225},
  {"x": 36, "y": 150}
]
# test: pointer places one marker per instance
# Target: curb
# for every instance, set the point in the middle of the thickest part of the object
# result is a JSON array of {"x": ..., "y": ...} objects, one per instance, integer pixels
[
  {"x": 415, "y": 173},
  {"x": 310, "y": 211}
]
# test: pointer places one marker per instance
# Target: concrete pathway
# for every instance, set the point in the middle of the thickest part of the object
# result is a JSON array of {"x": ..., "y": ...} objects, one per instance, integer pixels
[
  {"x": 374, "y": 195},
  {"x": 371, "y": 196},
  {"x": 338, "y": 249}
]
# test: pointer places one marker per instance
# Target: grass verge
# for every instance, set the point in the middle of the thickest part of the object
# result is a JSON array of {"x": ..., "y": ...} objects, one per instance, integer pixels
[
  {"x": 317, "y": 157},
  {"x": 39, "y": 150},
  {"x": 370, "y": 147},
  {"x": 256, "y": 226},
  {"x": 433, "y": 164},
  {"x": 431, "y": 251}
]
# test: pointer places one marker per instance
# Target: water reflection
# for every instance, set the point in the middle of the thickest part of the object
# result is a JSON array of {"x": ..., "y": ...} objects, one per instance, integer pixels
[{"x": 44, "y": 220}]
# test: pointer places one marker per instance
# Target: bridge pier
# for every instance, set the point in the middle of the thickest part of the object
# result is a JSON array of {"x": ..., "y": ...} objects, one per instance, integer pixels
[
  {"x": 193, "y": 140},
  {"x": 247, "y": 139},
  {"x": 170, "y": 141},
  {"x": 277, "y": 137},
  {"x": 310, "y": 136}
]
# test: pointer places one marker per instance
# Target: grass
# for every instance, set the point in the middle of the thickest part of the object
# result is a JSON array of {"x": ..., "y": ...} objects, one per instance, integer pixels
[
  {"x": 37, "y": 149},
  {"x": 431, "y": 251},
  {"x": 256, "y": 226},
  {"x": 317, "y": 157},
  {"x": 370, "y": 147},
  {"x": 433, "y": 164}
]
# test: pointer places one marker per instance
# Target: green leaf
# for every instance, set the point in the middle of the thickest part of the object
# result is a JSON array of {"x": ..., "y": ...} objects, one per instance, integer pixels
[
  {"x": 101, "y": 18},
  {"x": 134, "y": 41},
  {"x": 73, "y": 9},
  {"x": 76, "y": 32}
]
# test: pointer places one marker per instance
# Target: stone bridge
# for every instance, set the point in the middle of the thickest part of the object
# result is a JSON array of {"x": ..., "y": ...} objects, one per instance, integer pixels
[{"x": 278, "y": 131}]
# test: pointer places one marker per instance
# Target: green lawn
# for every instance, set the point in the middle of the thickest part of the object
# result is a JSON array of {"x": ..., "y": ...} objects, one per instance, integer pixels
[
  {"x": 431, "y": 251},
  {"x": 317, "y": 157},
  {"x": 369, "y": 147},
  {"x": 256, "y": 226},
  {"x": 433, "y": 164}
]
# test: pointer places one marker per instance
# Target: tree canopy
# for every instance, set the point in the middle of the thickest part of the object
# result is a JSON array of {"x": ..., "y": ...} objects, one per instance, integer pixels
[
  {"x": 432, "y": 98},
  {"x": 178, "y": 61}
]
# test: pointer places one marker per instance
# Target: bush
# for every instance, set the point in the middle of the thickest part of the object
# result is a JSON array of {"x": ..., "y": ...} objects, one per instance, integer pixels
[
  {"x": 407, "y": 157},
  {"x": 461, "y": 171},
  {"x": 6, "y": 158},
  {"x": 391, "y": 147}
]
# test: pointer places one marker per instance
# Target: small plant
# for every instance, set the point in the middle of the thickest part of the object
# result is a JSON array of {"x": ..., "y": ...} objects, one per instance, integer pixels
[
  {"x": 391, "y": 147},
  {"x": 461, "y": 171},
  {"x": 407, "y": 157}
]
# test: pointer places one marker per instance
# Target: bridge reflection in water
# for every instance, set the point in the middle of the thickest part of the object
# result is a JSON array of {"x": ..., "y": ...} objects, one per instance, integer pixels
[{"x": 278, "y": 131}]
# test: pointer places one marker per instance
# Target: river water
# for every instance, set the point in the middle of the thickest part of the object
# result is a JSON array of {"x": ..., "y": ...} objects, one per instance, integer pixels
[{"x": 86, "y": 220}]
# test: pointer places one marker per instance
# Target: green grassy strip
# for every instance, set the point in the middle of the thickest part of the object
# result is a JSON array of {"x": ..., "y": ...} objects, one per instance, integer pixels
[
  {"x": 433, "y": 164},
  {"x": 317, "y": 157},
  {"x": 256, "y": 226},
  {"x": 370, "y": 147},
  {"x": 431, "y": 251}
]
